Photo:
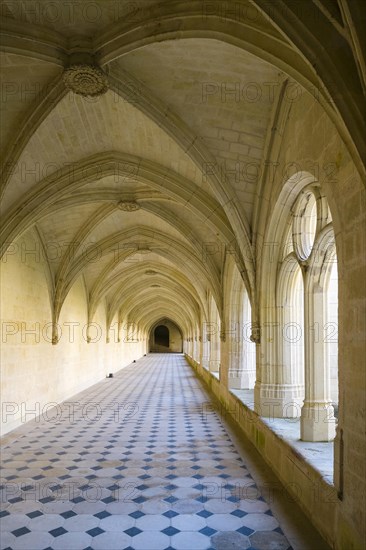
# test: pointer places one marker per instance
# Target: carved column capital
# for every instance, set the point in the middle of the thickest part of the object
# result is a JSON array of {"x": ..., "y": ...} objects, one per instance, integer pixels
[{"x": 256, "y": 334}]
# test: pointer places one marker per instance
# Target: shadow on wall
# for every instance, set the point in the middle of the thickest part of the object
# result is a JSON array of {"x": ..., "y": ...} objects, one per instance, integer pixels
[{"x": 165, "y": 337}]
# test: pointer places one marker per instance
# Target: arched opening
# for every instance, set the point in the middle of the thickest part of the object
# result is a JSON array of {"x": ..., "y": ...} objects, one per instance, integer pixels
[
  {"x": 304, "y": 224},
  {"x": 242, "y": 349},
  {"x": 331, "y": 331},
  {"x": 290, "y": 338},
  {"x": 161, "y": 336},
  {"x": 165, "y": 337},
  {"x": 318, "y": 422},
  {"x": 248, "y": 348},
  {"x": 213, "y": 336}
]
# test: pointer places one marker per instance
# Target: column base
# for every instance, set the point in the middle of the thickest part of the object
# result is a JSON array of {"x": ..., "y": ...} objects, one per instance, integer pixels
[
  {"x": 214, "y": 365},
  {"x": 278, "y": 400},
  {"x": 205, "y": 362},
  {"x": 317, "y": 422},
  {"x": 241, "y": 380}
]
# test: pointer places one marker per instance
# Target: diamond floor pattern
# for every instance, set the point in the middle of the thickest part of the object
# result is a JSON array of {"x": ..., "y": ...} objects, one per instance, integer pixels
[{"x": 137, "y": 462}]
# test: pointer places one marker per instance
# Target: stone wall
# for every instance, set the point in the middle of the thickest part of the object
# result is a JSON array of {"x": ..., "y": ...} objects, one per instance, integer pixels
[
  {"x": 311, "y": 138},
  {"x": 303, "y": 483},
  {"x": 307, "y": 143},
  {"x": 35, "y": 373}
]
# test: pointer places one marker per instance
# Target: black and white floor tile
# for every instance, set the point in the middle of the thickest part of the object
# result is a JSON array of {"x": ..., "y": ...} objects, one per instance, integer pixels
[{"x": 140, "y": 461}]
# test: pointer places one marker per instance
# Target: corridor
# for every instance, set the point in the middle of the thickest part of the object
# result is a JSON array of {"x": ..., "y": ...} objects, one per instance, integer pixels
[{"x": 141, "y": 461}]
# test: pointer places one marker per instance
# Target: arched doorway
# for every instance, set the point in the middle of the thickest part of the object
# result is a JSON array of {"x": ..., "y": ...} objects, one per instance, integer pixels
[
  {"x": 161, "y": 336},
  {"x": 165, "y": 337}
]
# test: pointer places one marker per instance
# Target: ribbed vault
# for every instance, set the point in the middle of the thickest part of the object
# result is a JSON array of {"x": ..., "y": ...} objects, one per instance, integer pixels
[{"x": 142, "y": 191}]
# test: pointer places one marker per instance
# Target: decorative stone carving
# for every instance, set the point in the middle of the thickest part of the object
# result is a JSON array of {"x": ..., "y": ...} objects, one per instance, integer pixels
[
  {"x": 223, "y": 336},
  {"x": 129, "y": 206},
  {"x": 85, "y": 79},
  {"x": 55, "y": 334},
  {"x": 256, "y": 335}
]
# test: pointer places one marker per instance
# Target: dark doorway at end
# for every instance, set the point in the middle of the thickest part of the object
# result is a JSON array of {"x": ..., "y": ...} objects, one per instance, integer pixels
[
  {"x": 161, "y": 336},
  {"x": 165, "y": 337}
]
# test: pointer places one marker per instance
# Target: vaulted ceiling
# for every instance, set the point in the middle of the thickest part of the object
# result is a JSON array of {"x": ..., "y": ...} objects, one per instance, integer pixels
[{"x": 141, "y": 190}]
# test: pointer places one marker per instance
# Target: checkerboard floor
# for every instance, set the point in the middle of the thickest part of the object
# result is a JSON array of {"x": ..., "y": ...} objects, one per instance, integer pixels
[{"x": 139, "y": 461}]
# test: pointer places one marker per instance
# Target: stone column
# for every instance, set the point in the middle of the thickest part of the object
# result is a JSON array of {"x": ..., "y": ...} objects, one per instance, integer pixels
[
  {"x": 317, "y": 414},
  {"x": 279, "y": 392},
  {"x": 200, "y": 348},
  {"x": 214, "y": 361},
  {"x": 275, "y": 394},
  {"x": 224, "y": 359},
  {"x": 235, "y": 365}
]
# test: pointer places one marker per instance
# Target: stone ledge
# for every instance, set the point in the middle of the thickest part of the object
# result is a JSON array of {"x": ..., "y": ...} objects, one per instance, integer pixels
[
  {"x": 312, "y": 490},
  {"x": 319, "y": 456}
]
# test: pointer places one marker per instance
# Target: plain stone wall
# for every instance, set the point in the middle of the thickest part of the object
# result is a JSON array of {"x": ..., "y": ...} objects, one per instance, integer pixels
[{"x": 35, "y": 373}]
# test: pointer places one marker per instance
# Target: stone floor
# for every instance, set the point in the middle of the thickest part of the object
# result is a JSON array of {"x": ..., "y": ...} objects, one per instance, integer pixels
[{"x": 140, "y": 461}]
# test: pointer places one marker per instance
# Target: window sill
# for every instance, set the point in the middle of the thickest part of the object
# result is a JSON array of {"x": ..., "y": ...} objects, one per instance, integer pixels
[{"x": 319, "y": 455}]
